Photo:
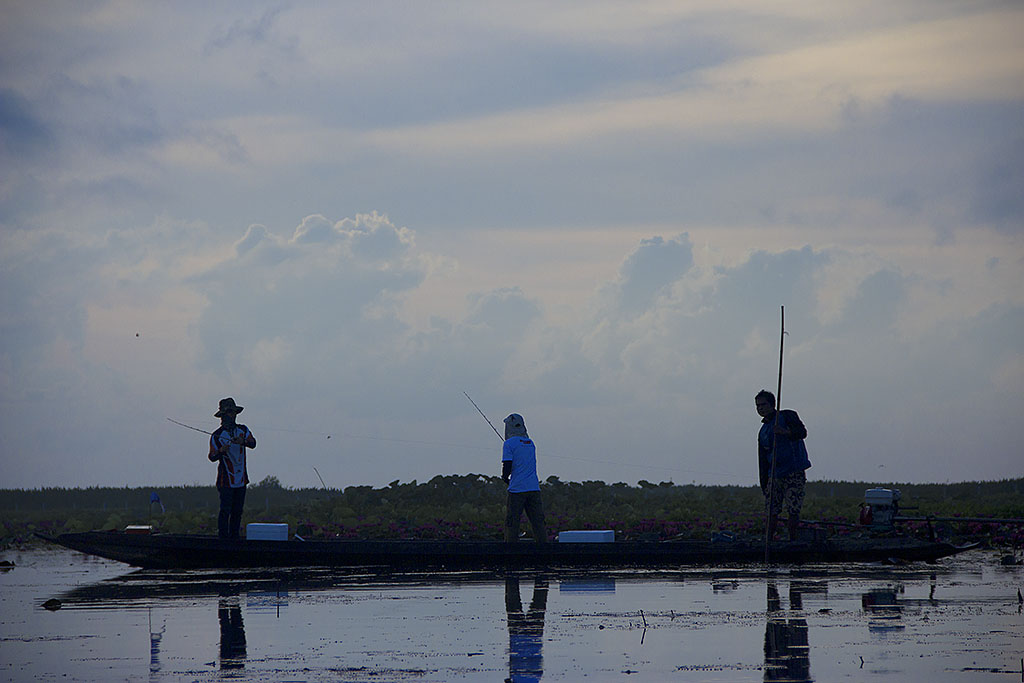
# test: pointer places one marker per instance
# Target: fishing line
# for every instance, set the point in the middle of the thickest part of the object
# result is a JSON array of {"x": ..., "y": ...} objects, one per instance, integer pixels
[
  {"x": 376, "y": 438},
  {"x": 604, "y": 462},
  {"x": 637, "y": 466},
  {"x": 416, "y": 442},
  {"x": 487, "y": 449}
]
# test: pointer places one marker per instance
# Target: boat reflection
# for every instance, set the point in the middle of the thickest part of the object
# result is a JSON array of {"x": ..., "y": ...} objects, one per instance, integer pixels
[
  {"x": 885, "y": 613},
  {"x": 525, "y": 630},
  {"x": 787, "y": 651}
]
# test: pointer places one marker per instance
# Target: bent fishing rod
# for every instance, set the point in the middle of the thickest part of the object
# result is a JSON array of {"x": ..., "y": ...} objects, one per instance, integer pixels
[
  {"x": 203, "y": 431},
  {"x": 194, "y": 429}
]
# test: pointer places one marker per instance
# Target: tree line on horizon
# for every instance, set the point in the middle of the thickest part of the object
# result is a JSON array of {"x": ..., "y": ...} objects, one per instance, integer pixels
[
  {"x": 54, "y": 498},
  {"x": 472, "y": 506}
]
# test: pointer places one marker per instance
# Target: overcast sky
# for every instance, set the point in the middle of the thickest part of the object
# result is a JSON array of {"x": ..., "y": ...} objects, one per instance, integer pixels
[{"x": 345, "y": 215}]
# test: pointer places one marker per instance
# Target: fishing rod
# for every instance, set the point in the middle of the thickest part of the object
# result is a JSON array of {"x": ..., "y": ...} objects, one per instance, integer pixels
[
  {"x": 320, "y": 478},
  {"x": 194, "y": 429},
  {"x": 483, "y": 416},
  {"x": 223, "y": 447}
]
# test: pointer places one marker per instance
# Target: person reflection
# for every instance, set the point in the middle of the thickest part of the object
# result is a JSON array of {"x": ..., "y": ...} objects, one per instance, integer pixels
[
  {"x": 525, "y": 631},
  {"x": 787, "y": 652},
  {"x": 154, "y": 646},
  {"x": 232, "y": 633}
]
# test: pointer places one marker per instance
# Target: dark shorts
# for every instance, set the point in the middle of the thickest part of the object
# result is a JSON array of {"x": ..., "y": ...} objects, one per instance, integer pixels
[{"x": 788, "y": 493}]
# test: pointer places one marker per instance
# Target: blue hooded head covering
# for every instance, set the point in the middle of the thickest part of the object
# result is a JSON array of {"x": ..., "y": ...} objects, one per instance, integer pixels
[{"x": 515, "y": 426}]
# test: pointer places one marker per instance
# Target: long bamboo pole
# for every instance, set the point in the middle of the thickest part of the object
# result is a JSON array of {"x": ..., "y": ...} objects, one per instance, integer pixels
[{"x": 770, "y": 508}]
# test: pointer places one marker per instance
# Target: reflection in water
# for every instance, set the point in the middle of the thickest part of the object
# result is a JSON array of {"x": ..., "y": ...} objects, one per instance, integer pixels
[
  {"x": 883, "y": 609},
  {"x": 525, "y": 631},
  {"x": 588, "y": 585},
  {"x": 154, "y": 645},
  {"x": 787, "y": 651},
  {"x": 232, "y": 633}
]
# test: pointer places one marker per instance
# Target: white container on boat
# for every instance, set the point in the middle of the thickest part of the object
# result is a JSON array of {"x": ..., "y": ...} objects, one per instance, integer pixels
[
  {"x": 883, "y": 504},
  {"x": 266, "y": 532},
  {"x": 879, "y": 497},
  {"x": 588, "y": 536}
]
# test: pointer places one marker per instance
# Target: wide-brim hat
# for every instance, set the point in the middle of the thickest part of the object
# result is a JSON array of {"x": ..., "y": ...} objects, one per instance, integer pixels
[{"x": 227, "y": 405}]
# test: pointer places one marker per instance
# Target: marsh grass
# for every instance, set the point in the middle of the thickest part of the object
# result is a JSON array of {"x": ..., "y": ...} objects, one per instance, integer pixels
[{"x": 472, "y": 506}]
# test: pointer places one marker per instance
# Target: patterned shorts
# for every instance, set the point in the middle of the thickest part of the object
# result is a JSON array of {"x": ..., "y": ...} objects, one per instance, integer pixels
[{"x": 788, "y": 493}]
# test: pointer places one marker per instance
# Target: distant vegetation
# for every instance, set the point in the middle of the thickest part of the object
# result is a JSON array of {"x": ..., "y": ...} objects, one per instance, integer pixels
[{"x": 472, "y": 506}]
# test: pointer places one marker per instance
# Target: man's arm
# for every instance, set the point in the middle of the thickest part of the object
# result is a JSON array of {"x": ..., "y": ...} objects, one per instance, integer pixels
[
  {"x": 791, "y": 428},
  {"x": 215, "y": 450},
  {"x": 506, "y": 461}
]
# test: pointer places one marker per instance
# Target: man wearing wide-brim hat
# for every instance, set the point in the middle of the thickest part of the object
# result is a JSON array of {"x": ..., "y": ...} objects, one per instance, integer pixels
[{"x": 227, "y": 447}]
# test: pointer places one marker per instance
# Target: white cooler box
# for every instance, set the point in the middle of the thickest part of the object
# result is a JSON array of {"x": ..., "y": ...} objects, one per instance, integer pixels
[
  {"x": 601, "y": 536},
  {"x": 266, "y": 532}
]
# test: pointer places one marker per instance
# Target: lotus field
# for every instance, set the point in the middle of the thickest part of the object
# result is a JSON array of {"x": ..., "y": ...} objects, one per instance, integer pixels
[{"x": 472, "y": 506}]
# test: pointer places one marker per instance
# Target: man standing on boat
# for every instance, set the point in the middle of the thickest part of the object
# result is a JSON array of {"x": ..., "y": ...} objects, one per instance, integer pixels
[
  {"x": 781, "y": 443},
  {"x": 519, "y": 471},
  {"x": 227, "y": 447}
]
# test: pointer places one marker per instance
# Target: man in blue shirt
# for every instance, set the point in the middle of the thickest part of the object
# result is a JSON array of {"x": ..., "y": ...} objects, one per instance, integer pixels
[
  {"x": 519, "y": 471},
  {"x": 781, "y": 443}
]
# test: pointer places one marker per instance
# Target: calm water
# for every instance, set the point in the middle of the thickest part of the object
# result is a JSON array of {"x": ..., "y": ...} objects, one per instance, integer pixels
[{"x": 956, "y": 621}]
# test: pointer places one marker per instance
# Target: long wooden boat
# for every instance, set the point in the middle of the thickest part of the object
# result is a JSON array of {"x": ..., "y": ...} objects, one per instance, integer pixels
[{"x": 182, "y": 551}]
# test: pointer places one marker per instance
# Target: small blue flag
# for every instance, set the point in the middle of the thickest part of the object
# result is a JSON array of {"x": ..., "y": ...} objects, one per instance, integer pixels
[{"x": 154, "y": 498}]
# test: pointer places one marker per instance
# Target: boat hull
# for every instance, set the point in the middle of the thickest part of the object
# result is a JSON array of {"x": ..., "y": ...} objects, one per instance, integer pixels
[{"x": 182, "y": 551}]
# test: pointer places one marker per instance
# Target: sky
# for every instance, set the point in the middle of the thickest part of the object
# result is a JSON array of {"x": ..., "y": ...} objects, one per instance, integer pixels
[{"x": 353, "y": 217}]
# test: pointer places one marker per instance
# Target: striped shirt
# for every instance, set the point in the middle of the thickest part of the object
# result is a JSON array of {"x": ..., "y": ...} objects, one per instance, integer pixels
[{"x": 231, "y": 472}]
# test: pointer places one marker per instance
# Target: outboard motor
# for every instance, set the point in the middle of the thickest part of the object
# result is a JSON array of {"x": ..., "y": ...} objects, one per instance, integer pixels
[{"x": 880, "y": 508}]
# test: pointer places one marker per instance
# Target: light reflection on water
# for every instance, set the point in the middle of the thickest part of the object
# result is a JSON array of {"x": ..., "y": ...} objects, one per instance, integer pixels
[{"x": 828, "y": 623}]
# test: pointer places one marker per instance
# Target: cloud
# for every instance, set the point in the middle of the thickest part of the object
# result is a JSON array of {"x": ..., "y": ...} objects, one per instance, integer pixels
[
  {"x": 314, "y": 229},
  {"x": 997, "y": 200},
  {"x": 254, "y": 234},
  {"x": 669, "y": 350},
  {"x": 651, "y": 269},
  {"x": 327, "y": 291},
  {"x": 257, "y": 31},
  {"x": 22, "y": 130},
  {"x": 807, "y": 88},
  {"x": 606, "y": 208}
]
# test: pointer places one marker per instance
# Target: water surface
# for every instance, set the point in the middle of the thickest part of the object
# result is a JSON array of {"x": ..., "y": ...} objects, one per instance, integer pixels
[{"x": 953, "y": 621}]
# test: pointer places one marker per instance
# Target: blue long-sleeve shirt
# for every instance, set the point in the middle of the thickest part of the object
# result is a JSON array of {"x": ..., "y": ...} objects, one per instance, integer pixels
[{"x": 790, "y": 451}]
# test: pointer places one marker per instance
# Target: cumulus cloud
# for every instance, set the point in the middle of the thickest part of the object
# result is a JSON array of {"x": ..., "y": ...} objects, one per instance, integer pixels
[
  {"x": 607, "y": 208},
  {"x": 255, "y": 234},
  {"x": 670, "y": 350},
  {"x": 322, "y": 294},
  {"x": 651, "y": 269}
]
